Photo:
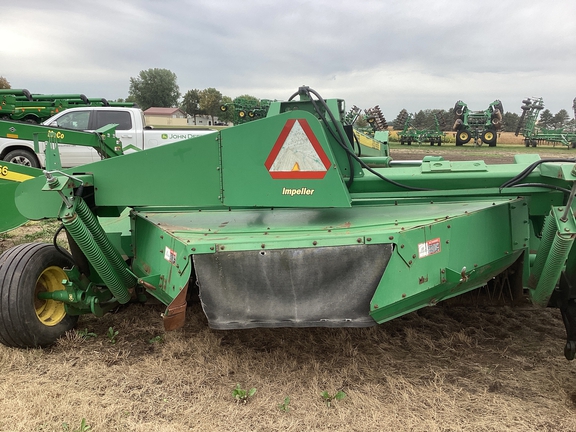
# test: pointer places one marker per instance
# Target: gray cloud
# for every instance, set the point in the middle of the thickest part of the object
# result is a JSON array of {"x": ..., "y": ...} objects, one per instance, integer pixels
[{"x": 414, "y": 54}]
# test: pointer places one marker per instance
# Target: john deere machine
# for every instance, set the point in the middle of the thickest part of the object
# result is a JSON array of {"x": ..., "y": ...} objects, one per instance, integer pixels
[
  {"x": 534, "y": 134},
  {"x": 21, "y": 105},
  {"x": 410, "y": 135},
  {"x": 481, "y": 126},
  {"x": 279, "y": 223}
]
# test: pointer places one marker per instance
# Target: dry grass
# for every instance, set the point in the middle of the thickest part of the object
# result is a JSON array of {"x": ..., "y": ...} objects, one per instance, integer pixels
[{"x": 444, "y": 369}]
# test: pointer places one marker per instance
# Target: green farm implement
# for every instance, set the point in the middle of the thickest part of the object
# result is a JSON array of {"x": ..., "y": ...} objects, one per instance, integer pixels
[
  {"x": 371, "y": 134},
  {"x": 246, "y": 109},
  {"x": 21, "y": 105},
  {"x": 279, "y": 222},
  {"x": 533, "y": 134},
  {"x": 481, "y": 126},
  {"x": 410, "y": 135}
]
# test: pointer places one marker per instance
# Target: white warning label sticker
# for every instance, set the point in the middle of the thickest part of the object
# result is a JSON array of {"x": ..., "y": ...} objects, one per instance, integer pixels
[
  {"x": 170, "y": 255},
  {"x": 430, "y": 247}
]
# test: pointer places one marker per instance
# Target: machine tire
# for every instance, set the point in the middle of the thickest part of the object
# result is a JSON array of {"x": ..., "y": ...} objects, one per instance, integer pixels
[
  {"x": 26, "y": 321},
  {"x": 489, "y": 137},
  {"x": 463, "y": 137},
  {"x": 22, "y": 157}
]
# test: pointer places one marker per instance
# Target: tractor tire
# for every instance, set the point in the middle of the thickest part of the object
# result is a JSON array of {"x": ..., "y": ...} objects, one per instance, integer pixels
[
  {"x": 525, "y": 108},
  {"x": 526, "y": 142},
  {"x": 25, "y": 320},
  {"x": 22, "y": 157},
  {"x": 527, "y": 101},
  {"x": 463, "y": 137},
  {"x": 489, "y": 137}
]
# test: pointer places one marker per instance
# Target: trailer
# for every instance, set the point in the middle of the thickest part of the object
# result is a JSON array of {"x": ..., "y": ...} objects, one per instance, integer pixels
[{"x": 279, "y": 223}]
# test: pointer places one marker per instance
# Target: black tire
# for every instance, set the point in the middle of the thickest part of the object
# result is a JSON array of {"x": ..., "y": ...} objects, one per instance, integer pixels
[
  {"x": 22, "y": 157},
  {"x": 526, "y": 142},
  {"x": 489, "y": 137},
  {"x": 26, "y": 321},
  {"x": 463, "y": 137}
]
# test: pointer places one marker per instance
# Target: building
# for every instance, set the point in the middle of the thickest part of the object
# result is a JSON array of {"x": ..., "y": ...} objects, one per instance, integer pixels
[{"x": 156, "y": 116}]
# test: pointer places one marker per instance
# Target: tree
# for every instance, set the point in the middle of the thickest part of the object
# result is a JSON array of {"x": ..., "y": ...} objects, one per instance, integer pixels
[
  {"x": 510, "y": 121},
  {"x": 191, "y": 103},
  {"x": 228, "y": 115},
  {"x": 419, "y": 121},
  {"x": 560, "y": 119},
  {"x": 155, "y": 87},
  {"x": 545, "y": 119},
  {"x": 4, "y": 84},
  {"x": 210, "y": 101}
]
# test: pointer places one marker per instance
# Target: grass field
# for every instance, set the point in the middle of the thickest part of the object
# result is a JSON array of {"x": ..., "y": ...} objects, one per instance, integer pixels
[{"x": 444, "y": 368}]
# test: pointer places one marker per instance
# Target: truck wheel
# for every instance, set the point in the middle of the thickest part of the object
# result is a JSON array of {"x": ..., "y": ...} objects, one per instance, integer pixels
[
  {"x": 25, "y": 320},
  {"x": 22, "y": 157}
]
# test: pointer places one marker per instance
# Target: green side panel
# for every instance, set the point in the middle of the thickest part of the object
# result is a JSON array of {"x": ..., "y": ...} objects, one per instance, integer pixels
[
  {"x": 437, "y": 261},
  {"x": 252, "y": 153},
  {"x": 160, "y": 259},
  {"x": 183, "y": 173},
  {"x": 12, "y": 176}
]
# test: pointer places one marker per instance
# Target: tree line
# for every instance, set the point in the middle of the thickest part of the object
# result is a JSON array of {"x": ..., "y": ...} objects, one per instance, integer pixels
[{"x": 159, "y": 88}]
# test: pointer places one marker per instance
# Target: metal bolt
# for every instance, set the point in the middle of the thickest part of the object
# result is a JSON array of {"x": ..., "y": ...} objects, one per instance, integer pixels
[
  {"x": 391, "y": 238},
  {"x": 359, "y": 240},
  {"x": 262, "y": 245},
  {"x": 314, "y": 242},
  {"x": 369, "y": 239},
  {"x": 401, "y": 246}
]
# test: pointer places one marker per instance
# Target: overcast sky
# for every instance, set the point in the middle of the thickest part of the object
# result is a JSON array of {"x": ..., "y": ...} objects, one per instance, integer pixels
[{"x": 413, "y": 54}]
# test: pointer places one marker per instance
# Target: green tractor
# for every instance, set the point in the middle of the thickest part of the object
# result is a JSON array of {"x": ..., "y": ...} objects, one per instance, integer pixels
[{"x": 481, "y": 126}]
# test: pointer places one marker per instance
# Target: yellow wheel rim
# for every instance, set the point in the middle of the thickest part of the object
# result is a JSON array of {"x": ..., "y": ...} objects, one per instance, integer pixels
[
  {"x": 241, "y": 114},
  {"x": 49, "y": 312},
  {"x": 464, "y": 136},
  {"x": 488, "y": 136}
]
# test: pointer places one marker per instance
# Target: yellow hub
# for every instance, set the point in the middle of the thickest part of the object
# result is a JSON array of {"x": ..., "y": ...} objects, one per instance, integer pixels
[
  {"x": 488, "y": 136},
  {"x": 50, "y": 312}
]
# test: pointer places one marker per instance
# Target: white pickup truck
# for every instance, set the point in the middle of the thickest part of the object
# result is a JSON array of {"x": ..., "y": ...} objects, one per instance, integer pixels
[{"x": 131, "y": 131}]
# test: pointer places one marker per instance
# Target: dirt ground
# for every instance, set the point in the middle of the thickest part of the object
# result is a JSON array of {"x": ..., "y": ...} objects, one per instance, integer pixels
[{"x": 443, "y": 368}]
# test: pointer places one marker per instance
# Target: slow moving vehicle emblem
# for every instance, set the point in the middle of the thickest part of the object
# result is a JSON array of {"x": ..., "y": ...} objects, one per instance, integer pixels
[{"x": 297, "y": 153}]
